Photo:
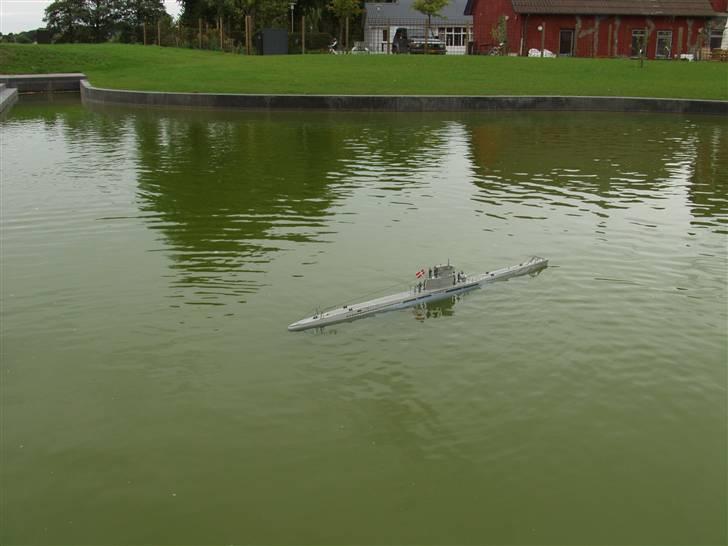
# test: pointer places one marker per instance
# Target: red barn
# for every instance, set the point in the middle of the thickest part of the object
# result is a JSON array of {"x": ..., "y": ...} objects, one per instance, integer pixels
[{"x": 598, "y": 28}]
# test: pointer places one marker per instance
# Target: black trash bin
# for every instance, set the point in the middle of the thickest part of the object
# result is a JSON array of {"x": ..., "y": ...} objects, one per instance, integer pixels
[{"x": 272, "y": 41}]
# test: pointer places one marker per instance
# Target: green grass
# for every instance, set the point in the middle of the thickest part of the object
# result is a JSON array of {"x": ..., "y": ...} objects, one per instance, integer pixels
[{"x": 170, "y": 69}]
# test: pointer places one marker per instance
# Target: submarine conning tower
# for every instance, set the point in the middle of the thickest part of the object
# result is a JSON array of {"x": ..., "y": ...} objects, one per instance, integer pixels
[{"x": 442, "y": 276}]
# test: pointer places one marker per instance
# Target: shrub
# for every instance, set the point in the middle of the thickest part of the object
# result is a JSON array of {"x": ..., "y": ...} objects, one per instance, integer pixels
[{"x": 315, "y": 41}]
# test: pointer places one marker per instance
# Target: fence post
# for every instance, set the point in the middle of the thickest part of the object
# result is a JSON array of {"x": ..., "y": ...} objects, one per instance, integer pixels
[
  {"x": 159, "y": 32},
  {"x": 144, "y": 31},
  {"x": 303, "y": 34},
  {"x": 219, "y": 24},
  {"x": 199, "y": 33},
  {"x": 346, "y": 40}
]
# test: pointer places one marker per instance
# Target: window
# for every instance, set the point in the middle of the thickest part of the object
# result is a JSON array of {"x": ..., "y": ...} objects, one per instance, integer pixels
[
  {"x": 664, "y": 44},
  {"x": 716, "y": 36},
  {"x": 454, "y": 36},
  {"x": 639, "y": 42}
]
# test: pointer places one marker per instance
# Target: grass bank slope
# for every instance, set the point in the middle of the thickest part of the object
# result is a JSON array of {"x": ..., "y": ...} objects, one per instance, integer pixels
[{"x": 169, "y": 69}]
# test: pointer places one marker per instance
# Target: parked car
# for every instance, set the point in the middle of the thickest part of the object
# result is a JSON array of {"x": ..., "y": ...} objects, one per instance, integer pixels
[{"x": 414, "y": 41}]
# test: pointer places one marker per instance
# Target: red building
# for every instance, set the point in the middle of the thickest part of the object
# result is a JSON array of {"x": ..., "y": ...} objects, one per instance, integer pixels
[{"x": 598, "y": 28}]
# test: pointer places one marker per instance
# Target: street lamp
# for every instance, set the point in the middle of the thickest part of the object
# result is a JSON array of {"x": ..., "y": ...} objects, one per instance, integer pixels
[
  {"x": 293, "y": 5},
  {"x": 540, "y": 29}
]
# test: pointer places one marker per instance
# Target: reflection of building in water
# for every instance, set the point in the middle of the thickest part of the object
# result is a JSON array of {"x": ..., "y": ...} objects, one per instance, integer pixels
[
  {"x": 708, "y": 184},
  {"x": 559, "y": 153},
  {"x": 607, "y": 160}
]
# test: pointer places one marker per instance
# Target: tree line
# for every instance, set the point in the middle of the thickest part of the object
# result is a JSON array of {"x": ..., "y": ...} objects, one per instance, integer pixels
[
  {"x": 124, "y": 20},
  {"x": 101, "y": 20}
]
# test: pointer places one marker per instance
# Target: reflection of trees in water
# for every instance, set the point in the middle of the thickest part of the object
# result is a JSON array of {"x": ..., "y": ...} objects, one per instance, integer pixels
[
  {"x": 227, "y": 194},
  {"x": 394, "y": 150},
  {"x": 229, "y": 189},
  {"x": 83, "y": 131},
  {"x": 607, "y": 160}
]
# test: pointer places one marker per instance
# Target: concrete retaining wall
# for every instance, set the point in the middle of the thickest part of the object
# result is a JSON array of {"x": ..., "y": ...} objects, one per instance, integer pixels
[
  {"x": 8, "y": 97},
  {"x": 43, "y": 83},
  {"x": 399, "y": 103}
]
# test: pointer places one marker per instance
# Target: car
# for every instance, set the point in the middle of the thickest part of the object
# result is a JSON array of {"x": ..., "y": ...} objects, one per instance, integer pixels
[{"x": 414, "y": 41}]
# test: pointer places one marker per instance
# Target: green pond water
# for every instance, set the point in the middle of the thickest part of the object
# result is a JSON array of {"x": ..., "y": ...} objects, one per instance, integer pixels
[{"x": 151, "y": 394}]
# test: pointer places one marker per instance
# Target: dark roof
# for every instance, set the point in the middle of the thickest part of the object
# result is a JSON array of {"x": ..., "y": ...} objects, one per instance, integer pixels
[
  {"x": 452, "y": 13},
  {"x": 614, "y": 7}
]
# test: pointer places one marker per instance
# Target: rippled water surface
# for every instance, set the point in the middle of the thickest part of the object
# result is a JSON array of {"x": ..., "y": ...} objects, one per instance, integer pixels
[{"x": 151, "y": 394}]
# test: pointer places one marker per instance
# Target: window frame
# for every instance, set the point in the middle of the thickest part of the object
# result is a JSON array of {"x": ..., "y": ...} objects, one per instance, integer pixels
[
  {"x": 572, "y": 31},
  {"x": 660, "y": 35},
  {"x": 634, "y": 51}
]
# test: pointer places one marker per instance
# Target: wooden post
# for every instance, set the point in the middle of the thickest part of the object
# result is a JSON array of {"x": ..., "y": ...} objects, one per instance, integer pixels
[
  {"x": 303, "y": 34},
  {"x": 159, "y": 32},
  {"x": 199, "y": 33},
  {"x": 524, "y": 30},
  {"x": 543, "y": 36},
  {"x": 679, "y": 41},
  {"x": 346, "y": 41},
  {"x": 222, "y": 47},
  {"x": 609, "y": 41},
  {"x": 248, "y": 35},
  {"x": 144, "y": 31}
]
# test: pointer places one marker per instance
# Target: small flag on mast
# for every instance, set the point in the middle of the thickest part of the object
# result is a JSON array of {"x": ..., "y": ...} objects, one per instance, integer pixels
[{"x": 420, "y": 273}]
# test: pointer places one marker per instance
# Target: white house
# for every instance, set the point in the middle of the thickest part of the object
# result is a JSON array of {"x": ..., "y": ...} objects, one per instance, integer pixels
[{"x": 382, "y": 19}]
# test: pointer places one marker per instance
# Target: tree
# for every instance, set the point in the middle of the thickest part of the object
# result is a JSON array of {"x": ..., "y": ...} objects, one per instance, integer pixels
[
  {"x": 429, "y": 8},
  {"x": 265, "y": 13},
  {"x": 344, "y": 9},
  {"x": 101, "y": 16},
  {"x": 499, "y": 32},
  {"x": 134, "y": 13},
  {"x": 65, "y": 18}
]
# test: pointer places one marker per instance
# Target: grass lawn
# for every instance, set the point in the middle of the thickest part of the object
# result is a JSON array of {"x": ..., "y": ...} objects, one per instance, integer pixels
[{"x": 170, "y": 69}]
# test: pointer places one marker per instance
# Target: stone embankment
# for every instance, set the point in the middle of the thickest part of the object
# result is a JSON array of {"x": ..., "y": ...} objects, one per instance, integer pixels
[
  {"x": 422, "y": 103},
  {"x": 43, "y": 83},
  {"x": 8, "y": 96},
  {"x": 30, "y": 83},
  {"x": 12, "y": 84}
]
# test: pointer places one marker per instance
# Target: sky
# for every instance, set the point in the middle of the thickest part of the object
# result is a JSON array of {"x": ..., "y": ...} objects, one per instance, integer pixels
[{"x": 18, "y": 15}]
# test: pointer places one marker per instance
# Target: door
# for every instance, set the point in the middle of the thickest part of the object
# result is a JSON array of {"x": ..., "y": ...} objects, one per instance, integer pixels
[{"x": 566, "y": 42}]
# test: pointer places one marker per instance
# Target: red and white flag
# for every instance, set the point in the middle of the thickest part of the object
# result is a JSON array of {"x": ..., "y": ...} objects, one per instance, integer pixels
[{"x": 420, "y": 273}]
